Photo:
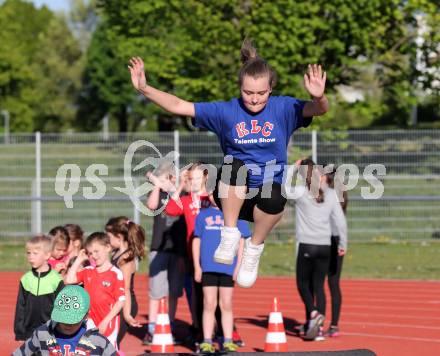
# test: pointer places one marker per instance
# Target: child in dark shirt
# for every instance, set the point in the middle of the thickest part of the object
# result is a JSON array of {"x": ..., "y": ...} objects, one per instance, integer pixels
[{"x": 38, "y": 288}]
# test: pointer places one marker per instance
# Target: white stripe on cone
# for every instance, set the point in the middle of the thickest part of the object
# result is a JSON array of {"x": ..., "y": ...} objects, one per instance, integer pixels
[
  {"x": 276, "y": 338},
  {"x": 162, "y": 339},
  {"x": 162, "y": 319},
  {"x": 275, "y": 318}
]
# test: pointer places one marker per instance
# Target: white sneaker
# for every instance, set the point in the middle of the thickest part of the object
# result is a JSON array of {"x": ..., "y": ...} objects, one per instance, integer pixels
[
  {"x": 227, "y": 250},
  {"x": 320, "y": 336},
  {"x": 248, "y": 271}
]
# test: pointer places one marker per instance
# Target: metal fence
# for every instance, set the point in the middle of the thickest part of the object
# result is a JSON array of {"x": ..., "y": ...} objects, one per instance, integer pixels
[{"x": 409, "y": 208}]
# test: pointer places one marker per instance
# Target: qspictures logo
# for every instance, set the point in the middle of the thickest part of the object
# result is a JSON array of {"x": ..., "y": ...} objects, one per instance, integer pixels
[{"x": 346, "y": 177}]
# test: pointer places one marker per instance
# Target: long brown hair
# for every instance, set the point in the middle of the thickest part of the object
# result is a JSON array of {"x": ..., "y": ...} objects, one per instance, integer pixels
[
  {"x": 132, "y": 233},
  {"x": 60, "y": 234},
  {"x": 201, "y": 165},
  {"x": 310, "y": 176},
  {"x": 75, "y": 233},
  {"x": 253, "y": 65},
  {"x": 331, "y": 183}
]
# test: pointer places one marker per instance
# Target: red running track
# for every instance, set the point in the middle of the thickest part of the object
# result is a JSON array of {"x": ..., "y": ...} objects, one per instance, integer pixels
[{"x": 389, "y": 317}]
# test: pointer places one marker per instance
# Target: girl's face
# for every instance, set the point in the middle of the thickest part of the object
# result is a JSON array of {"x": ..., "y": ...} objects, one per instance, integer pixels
[
  {"x": 197, "y": 180},
  {"x": 164, "y": 179},
  {"x": 99, "y": 252},
  {"x": 74, "y": 245},
  {"x": 255, "y": 92},
  {"x": 59, "y": 250},
  {"x": 115, "y": 240},
  {"x": 323, "y": 182}
]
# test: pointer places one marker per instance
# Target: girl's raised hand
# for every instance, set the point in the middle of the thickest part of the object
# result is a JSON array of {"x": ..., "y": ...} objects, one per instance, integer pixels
[
  {"x": 82, "y": 255},
  {"x": 154, "y": 180},
  {"x": 314, "y": 80},
  {"x": 138, "y": 78}
]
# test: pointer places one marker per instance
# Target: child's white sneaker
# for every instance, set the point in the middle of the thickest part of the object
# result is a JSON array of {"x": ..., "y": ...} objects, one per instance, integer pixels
[
  {"x": 227, "y": 250},
  {"x": 248, "y": 270}
]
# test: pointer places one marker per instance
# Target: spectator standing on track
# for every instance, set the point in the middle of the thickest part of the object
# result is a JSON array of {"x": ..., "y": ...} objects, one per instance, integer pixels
[
  {"x": 38, "y": 288},
  {"x": 335, "y": 266},
  {"x": 217, "y": 279},
  {"x": 104, "y": 283},
  {"x": 127, "y": 240},
  {"x": 189, "y": 206},
  {"x": 316, "y": 206},
  {"x": 167, "y": 250}
]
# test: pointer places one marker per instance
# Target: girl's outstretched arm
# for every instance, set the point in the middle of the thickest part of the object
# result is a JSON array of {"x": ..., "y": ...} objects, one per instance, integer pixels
[
  {"x": 314, "y": 82},
  {"x": 168, "y": 102}
]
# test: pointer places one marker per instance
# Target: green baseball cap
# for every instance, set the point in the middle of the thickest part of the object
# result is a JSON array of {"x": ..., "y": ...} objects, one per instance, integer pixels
[{"x": 71, "y": 305}]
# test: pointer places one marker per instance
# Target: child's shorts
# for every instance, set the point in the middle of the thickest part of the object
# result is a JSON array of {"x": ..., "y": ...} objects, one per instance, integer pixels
[
  {"x": 166, "y": 274},
  {"x": 214, "y": 279},
  {"x": 272, "y": 204}
]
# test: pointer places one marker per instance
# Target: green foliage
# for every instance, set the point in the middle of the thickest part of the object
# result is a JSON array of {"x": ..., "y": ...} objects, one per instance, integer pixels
[
  {"x": 59, "y": 65},
  {"x": 55, "y": 75},
  {"x": 39, "y": 68},
  {"x": 191, "y": 48},
  {"x": 106, "y": 85}
]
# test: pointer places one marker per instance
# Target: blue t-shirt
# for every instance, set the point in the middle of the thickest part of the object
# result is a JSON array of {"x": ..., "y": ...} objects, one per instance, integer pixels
[
  {"x": 68, "y": 342},
  {"x": 255, "y": 138},
  {"x": 208, "y": 224}
]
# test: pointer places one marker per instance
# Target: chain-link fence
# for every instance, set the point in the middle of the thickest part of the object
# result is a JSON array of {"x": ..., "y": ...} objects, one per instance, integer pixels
[{"x": 409, "y": 208}]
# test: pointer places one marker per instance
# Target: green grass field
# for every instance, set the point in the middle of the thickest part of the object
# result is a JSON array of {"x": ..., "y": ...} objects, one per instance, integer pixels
[{"x": 364, "y": 260}]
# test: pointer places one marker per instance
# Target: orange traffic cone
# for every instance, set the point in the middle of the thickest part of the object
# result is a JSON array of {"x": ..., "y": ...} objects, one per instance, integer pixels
[
  {"x": 276, "y": 336},
  {"x": 162, "y": 339}
]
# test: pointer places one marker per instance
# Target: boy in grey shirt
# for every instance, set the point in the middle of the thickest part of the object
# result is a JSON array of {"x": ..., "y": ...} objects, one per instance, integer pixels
[{"x": 66, "y": 333}]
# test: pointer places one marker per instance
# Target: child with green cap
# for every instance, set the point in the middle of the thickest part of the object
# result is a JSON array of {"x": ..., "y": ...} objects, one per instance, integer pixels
[{"x": 66, "y": 332}]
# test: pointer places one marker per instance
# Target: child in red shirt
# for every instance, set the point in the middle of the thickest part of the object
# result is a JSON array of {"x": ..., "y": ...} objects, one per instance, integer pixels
[
  {"x": 104, "y": 283},
  {"x": 189, "y": 205}
]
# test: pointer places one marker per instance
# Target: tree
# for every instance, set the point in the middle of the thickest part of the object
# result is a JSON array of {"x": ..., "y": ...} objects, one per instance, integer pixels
[
  {"x": 39, "y": 68},
  {"x": 83, "y": 19},
  {"x": 106, "y": 88},
  {"x": 16, "y": 48},
  {"x": 59, "y": 63}
]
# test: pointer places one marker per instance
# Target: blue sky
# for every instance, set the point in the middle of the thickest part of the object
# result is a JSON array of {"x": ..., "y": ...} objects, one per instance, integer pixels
[{"x": 55, "y": 5}]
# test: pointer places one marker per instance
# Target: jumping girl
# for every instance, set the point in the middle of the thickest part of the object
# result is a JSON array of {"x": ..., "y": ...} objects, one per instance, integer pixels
[{"x": 254, "y": 131}]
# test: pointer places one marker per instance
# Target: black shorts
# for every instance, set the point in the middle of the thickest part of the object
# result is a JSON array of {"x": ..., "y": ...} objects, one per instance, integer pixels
[
  {"x": 214, "y": 279},
  {"x": 274, "y": 204}
]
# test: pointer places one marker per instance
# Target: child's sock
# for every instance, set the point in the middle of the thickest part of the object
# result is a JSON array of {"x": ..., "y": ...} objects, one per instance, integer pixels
[
  {"x": 228, "y": 340},
  {"x": 151, "y": 327},
  {"x": 231, "y": 230},
  {"x": 208, "y": 341}
]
